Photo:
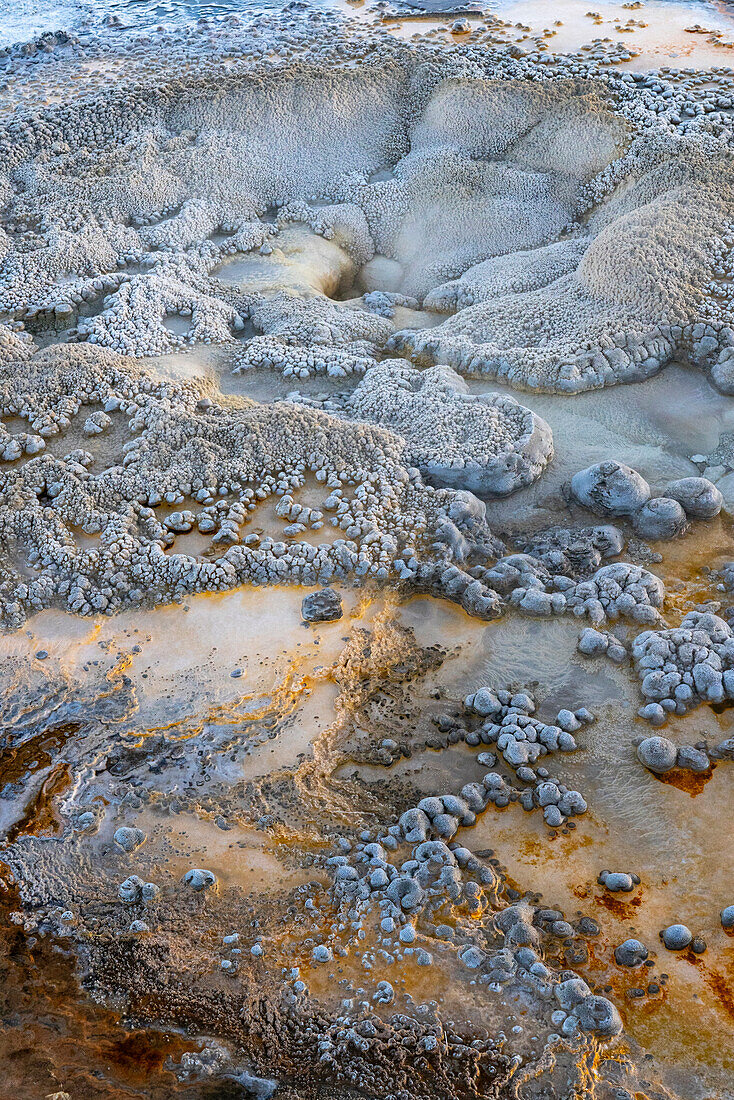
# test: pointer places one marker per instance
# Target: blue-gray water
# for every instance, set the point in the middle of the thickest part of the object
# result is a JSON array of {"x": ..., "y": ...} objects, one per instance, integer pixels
[{"x": 26, "y": 19}]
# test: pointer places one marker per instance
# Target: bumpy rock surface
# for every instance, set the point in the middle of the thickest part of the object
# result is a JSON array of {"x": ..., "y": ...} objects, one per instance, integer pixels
[
  {"x": 489, "y": 443},
  {"x": 630, "y": 953},
  {"x": 658, "y": 754},
  {"x": 309, "y": 202},
  {"x": 322, "y": 607},
  {"x": 686, "y": 665},
  {"x": 676, "y": 937},
  {"x": 610, "y": 489},
  {"x": 660, "y": 518},
  {"x": 213, "y": 465},
  {"x": 699, "y": 497}
]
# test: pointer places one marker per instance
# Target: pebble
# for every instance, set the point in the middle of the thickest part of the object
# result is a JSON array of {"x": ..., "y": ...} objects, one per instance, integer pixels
[
  {"x": 610, "y": 489},
  {"x": 693, "y": 760},
  {"x": 658, "y": 754},
  {"x": 322, "y": 607},
  {"x": 618, "y": 881},
  {"x": 631, "y": 953},
  {"x": 129, "y": 838},
  {"x": 200, "y": 879},
  {"x": 660, "y": 518},
  {"x": 676, "y": 937},
  {"x": 699, "y": 496}
]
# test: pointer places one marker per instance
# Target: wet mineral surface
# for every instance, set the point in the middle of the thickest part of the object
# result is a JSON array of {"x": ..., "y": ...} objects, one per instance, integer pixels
[{"x": 366, "y": 489}]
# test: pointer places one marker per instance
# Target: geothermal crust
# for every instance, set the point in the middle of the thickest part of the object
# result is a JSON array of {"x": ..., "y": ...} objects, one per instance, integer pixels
[
  {"x": 572, "y": 234},
  {"x": 381, "y": 224}
]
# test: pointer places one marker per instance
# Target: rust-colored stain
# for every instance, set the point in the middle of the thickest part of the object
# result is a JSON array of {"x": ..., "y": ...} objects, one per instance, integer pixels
[
  {"x": 40, "y": 817},
  {"x": 137, "y": 1054},
  {"x": 621, "y": 907},
  {"x": 18, "y": 762},
  {"x": 53, "y": 1032},
  {"x": 723, "y": 990},
  {"x": 684, "y": 780},
  {"x": 717, "y": 983},
  {"x": 530, "y": 846},
  {"x": 570, "y": 842}
]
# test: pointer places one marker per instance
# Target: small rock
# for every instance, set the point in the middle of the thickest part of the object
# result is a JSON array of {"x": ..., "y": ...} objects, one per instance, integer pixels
[
  {"x": 699, "y": 496},
  {"x": 131, "y": 889},
  {"x": 661, "y": 518},
  {"x": 618, "y": 880},
  {"x": 610, "y": 489},
  {"x": 598, "y": 1015},
  {"x": 631, "y": 953},
  {"x": 129, "y": 838},
  {"x": 676, "y": 937},
  {"x": 471, "y": 957},
  {"x": 199, "y": 879},
  {"x": 553, "y": 816},
  {"x": 322, "y": 607},
  {"x": 658, "y": 754},
  {"x": 693, "y": 759}
]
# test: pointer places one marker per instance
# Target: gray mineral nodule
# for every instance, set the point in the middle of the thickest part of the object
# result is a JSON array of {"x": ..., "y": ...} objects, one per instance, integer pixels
[{"x": 322, "y": 607}]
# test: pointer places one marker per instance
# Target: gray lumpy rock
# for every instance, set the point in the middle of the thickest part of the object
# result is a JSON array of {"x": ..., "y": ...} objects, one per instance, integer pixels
[
  {"x": 322, "y": 607},
  {"x": 131, "y": 889},
  {"x": 660, "y": 518},
  {"x": 129, "y": 838},
  {"x": 599, "y": 1016},
  {"x": 610, "y": 489},
  {"x": 699, "y": 497},
  {"x": 682, "y": 666},
  {"x": 676, "y": 937},
  {"x": 630, "y": 953},
  {"x": 692, "y": 759},
  {"x": 658, "y": 754},
  {"x": 486, "y": 443},
  {"x": 571, "y": 992},
  {"x": 616, "y": 881},
  {"x": 200, "y": 879}
]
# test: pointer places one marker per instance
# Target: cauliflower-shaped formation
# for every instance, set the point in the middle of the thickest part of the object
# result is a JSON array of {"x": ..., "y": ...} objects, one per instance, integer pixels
[
  {"x": 487, "y": 443},
  {"x": 685, "y": 665},
  {"x": 619, "y": 589}
]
